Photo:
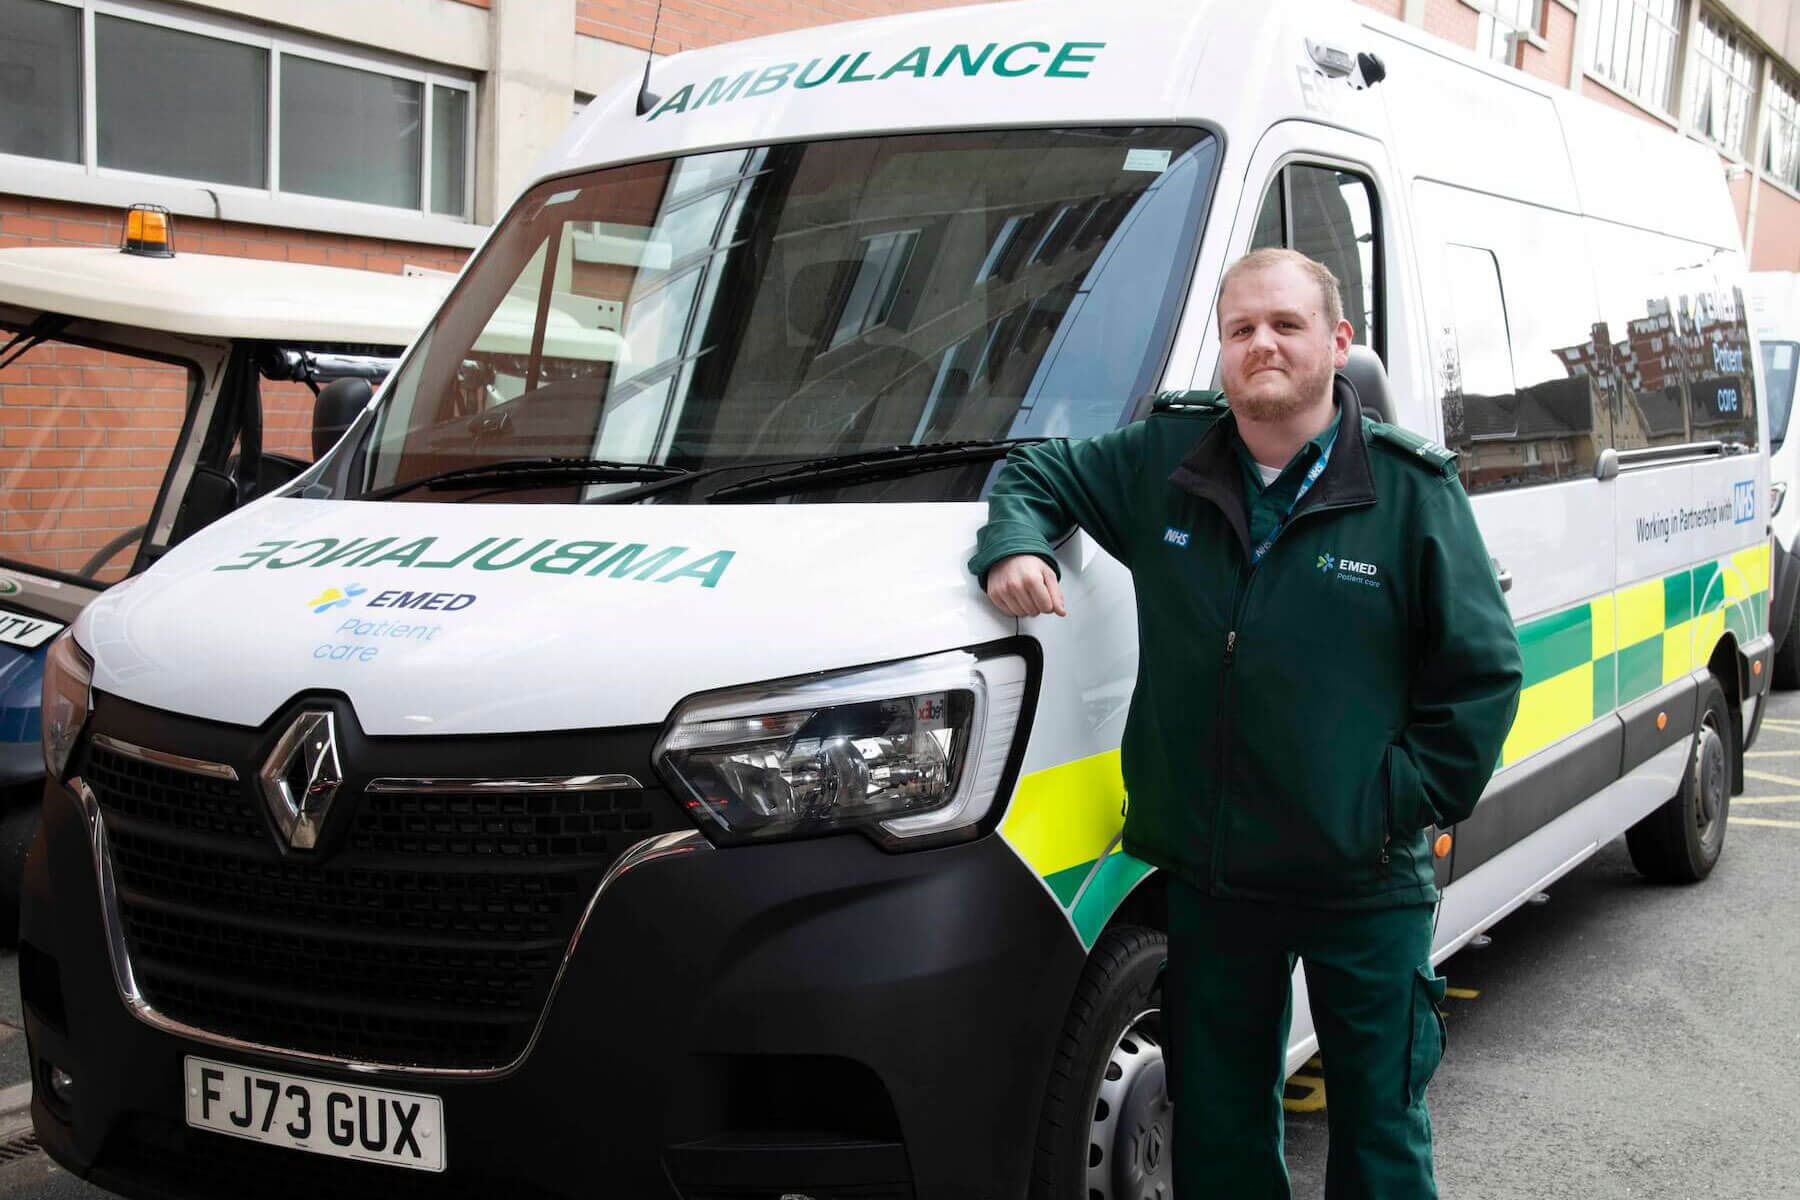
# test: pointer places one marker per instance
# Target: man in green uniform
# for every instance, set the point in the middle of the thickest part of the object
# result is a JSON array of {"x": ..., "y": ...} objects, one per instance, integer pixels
[{"x": 1327, "y": 668}]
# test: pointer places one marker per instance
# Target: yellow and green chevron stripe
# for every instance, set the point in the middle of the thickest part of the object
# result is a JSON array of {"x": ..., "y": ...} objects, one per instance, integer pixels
[
  {"x": 1580, "y": 664},
  {"x": 1585, "y": 661},
  {"x": 1065, "y": 823}
]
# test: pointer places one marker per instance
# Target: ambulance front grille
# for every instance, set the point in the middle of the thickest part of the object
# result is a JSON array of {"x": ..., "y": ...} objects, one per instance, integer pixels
[{"x": 429, "y": 934}]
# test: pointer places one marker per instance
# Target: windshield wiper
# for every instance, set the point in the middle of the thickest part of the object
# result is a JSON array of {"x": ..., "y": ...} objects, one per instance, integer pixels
[
  {"x": 528, "y": 472},
  {"x": 885, "y": 463}
]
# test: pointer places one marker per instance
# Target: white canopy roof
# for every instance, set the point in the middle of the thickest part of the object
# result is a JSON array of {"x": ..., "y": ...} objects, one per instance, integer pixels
[{"x": 213, "y": 296}]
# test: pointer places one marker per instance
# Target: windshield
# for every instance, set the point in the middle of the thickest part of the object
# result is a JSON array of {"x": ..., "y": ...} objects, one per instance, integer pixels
[
  {"x": 1781, "y": 361},
  {"x": 791, "y": 302},
  {"x": 88, "y": 434}
]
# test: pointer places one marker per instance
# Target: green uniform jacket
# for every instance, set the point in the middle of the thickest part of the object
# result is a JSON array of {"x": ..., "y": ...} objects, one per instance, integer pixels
[{"x": 1297, "y": 725}]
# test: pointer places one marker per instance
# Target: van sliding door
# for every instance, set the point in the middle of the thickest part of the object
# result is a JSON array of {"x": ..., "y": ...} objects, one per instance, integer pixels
[{"x": 1512, "y": 316}]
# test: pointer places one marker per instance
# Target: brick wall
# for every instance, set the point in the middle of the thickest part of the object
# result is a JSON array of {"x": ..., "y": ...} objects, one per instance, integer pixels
[
  {"x": 85, "y": 436},
  {"x": 689, "y": 24},
  {"x": 1777, "y": 245},
  {"x": 1392, "y": 8},
  {"x": 1558, "y": 32},
  {"x": 1451, "y": 20},
  {"x": 26, "y": 221},
  {"x": 1612, "y": 99}
]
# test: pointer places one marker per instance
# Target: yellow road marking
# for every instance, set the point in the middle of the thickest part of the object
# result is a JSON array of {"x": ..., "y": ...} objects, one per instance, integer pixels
[
  {"x": 1781, "y": 723},
  {"x": 1462, "y": 993},
  {"x": 1770, "y": 821},
  {"x": 1312, "y": 1097},
  {"x": 1789, "y": 799},
  {"x": 1771, "y": 777},
  {"x": 1772, "y": 754}
]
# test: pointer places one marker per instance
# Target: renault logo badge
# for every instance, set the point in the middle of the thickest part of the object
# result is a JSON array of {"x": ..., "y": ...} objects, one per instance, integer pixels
[{"x": 302, "y": 776}]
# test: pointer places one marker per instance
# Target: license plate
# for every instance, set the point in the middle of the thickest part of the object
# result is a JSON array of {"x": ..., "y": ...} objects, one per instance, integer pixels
[
  {"x": 17, "y": 629},
  {"x": 398, "y": 1129}
]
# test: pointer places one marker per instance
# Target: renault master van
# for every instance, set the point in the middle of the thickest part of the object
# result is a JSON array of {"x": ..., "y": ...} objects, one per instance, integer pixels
[{"x": 599, "y": 774}]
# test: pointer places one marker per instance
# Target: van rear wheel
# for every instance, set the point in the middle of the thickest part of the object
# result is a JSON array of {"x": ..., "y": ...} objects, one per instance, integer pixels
[
  {"x": 1681, "y": 841},
  {"x": 1106, "y": 1131}
]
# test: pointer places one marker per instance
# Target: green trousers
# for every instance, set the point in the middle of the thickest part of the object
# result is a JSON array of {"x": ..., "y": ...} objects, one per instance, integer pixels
[{"x": 1227, "y": 1001}]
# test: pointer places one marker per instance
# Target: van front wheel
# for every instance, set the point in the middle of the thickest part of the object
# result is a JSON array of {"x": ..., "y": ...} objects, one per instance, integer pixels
[
  {"x": 1106, "y": 1131},
  {"x": 1681, "y": 841}
]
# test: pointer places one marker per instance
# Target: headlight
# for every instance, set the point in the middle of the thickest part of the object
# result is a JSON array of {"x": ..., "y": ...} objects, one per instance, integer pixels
[
  {"x": 903, "y": 751},
  {"x": 68, "y": 676}
]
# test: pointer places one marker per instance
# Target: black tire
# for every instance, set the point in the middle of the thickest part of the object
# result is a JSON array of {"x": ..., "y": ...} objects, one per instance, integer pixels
[
  {"x": 1681, "y": 841},
  {"x": 1112, "y": 1039},
  {"x": 1787, "y": 658},
  {"x": 18, "y": 825}
]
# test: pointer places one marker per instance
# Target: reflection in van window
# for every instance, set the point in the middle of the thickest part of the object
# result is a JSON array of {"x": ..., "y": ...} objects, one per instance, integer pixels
[
  {"x": 1781, "y": 362},
  {"x": 1676, "y": 367},
  {"x": 805, "y": 300},
  {"x": 1516, "y": 340}
]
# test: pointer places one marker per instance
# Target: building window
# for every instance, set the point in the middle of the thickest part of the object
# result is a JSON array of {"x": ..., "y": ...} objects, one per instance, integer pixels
[
  {"x": 40, "y": 80},
  {"x": 215, "y": 104},
  {"x": 173, "y": 103},
  {"x": 1781, "y": 155},
  {"x": 1721, "y": 85},
  {"x": 1502, "y": 26},
  {"x": 1634, "y": 47}
]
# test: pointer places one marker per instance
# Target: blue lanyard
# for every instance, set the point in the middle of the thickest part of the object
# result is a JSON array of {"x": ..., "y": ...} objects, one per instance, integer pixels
[{"x": 1312, "y": 477}]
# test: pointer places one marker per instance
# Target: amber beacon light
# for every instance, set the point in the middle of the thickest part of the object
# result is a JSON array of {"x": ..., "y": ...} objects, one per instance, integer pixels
[{"x": 150, "y": 231}]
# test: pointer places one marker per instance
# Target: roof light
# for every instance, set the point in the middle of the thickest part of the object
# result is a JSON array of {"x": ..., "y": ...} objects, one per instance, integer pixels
[{"x": 150, "y": 231}]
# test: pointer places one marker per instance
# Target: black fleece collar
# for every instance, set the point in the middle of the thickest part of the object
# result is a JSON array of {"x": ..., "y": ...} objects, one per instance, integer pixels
[{"x": 1211, "y": 470}]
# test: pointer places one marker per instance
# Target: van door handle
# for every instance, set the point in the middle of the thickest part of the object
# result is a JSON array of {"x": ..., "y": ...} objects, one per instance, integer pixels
[{"x": 1503, "y": 575}]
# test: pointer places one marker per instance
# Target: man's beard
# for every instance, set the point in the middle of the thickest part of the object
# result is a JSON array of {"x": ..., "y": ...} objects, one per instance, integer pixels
[{"x": 1272, "y": 409}]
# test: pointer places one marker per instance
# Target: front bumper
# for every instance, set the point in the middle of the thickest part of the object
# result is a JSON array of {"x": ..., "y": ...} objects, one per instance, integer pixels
[{"x": 815, "y": 1017}]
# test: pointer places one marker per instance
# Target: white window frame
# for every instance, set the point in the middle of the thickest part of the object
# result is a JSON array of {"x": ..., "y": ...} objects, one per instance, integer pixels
[
  {"x": 1738, "y": 41},
  {"x": 1783, "y": 124},
  {"x": 88, "y": 182},
  {"x": 1601, "y": 40},
  {"x": 1505, "y": 31}
]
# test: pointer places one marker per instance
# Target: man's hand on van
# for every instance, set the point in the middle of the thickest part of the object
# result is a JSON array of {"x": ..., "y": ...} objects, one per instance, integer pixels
[{"x": 1024, "y": 585}]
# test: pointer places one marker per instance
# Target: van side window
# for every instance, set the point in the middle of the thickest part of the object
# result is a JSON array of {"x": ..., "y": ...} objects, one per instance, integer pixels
[
  {"x": 1513, "y": 324},
  {"x": 1483, "y": 366},
  {"x": 1679, "y": 368},
  {"x": 1328, "y": 214}
]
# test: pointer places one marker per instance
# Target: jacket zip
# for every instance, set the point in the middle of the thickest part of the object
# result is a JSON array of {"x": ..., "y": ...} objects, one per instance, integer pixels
[{"x": 1242, "y": 602}]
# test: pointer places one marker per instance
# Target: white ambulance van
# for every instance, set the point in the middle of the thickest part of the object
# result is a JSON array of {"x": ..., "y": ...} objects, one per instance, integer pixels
[
  {"x": 1775, "y": 321},
  {"x": 600, "y": 774}
]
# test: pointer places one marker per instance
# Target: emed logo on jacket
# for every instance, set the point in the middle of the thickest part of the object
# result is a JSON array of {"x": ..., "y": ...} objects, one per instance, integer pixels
[{"x": 1349, "y": 570}]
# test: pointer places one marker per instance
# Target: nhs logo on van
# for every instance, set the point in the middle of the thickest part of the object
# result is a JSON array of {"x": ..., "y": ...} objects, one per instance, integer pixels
[{"x": 1743, "y": 501}]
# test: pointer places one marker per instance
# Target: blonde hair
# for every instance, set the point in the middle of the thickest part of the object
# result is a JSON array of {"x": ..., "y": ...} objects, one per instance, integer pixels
[{"x": 1274, "y": 256}]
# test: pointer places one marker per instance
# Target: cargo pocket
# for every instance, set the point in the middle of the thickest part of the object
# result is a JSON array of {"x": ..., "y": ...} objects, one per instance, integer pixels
[{"x": 1428, "y": 1036}]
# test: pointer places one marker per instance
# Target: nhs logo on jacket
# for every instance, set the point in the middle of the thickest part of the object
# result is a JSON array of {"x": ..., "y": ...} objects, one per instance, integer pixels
[{"x": 1175, "y": 537}]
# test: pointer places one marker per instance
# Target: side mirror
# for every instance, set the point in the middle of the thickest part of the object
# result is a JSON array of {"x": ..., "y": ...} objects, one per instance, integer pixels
[{"x": 340, "y": 402}]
